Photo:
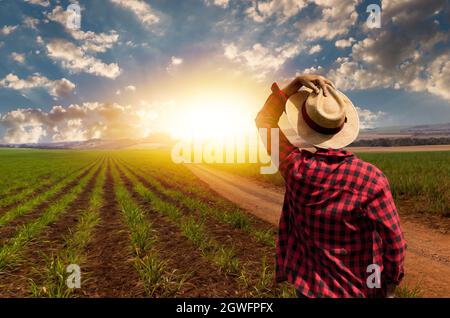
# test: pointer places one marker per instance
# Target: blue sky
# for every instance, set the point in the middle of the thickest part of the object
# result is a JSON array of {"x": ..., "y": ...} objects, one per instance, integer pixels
[{"x": 126, "y": 68}]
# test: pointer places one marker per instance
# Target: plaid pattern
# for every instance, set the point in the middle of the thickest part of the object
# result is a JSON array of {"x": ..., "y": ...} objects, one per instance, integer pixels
[{"x": 338, "y": 217}]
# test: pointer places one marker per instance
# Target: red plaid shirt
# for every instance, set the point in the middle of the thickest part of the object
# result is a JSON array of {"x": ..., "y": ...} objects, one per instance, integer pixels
[{"x": 338, "y": 218}]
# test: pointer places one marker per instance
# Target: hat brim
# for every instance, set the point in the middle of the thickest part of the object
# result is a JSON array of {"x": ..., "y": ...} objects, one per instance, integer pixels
[{"x": 339, "y": 140}]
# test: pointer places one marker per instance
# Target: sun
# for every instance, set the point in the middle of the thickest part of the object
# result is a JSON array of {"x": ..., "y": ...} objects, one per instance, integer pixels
[{"x": 213, "y": 117}]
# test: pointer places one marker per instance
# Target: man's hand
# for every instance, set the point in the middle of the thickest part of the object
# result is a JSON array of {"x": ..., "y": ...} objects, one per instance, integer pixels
[{"x": 311, "y": 81}]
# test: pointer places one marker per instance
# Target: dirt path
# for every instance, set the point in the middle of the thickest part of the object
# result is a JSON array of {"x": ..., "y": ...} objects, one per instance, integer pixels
[{"x": 428, "y": 258}]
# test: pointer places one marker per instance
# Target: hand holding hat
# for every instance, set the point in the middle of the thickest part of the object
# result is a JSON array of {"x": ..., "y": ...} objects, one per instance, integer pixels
[{"x": 320, "y": 114}]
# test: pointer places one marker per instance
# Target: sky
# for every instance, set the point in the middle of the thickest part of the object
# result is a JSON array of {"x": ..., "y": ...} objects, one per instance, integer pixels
[{"x": 134, "y": 67}]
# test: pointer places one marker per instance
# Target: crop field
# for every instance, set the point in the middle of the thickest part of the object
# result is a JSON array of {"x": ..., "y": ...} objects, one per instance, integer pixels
[
  {"x": 420, "y": 181},
  {"x": 137, "y": 225}
]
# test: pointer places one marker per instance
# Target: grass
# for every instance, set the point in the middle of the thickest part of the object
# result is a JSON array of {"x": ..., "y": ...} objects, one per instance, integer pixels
[
  {"x": 28, "y": 205},
  {"x": 52, "y": 280},
  {"x": 419, "y": 181},
  {"x": 405, "y": 291},
  {"x": 230, "y": 215},
  {"x": 189, "y": 226},
  {"x": 11, "y": 250},
  {"x": 193, "y": 229},
  {"x": 24, "y": 170},
  {"x": 158, "y": 280}
]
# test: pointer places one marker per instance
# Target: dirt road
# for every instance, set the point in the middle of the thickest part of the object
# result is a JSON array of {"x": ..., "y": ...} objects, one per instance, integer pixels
[{"x": 427, "y": 262}]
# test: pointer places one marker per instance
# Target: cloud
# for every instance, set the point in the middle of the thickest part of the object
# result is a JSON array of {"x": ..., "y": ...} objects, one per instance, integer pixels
[
  {"x": 311, "y": 70},
  {"x": 336, "y": 17},
  {"x": 174, "y": 65},
  {"x": 90, "y": 41},
  {"x": 43, "y": 3},
  {"x": 343, "y": 43},
  {"x": 7, "y": 29},
  {"x": 30, "y": 22},
  {"x": 77, "y": 122},
  {"x": 142, "y": 10},
  {"x": 282, "y": 9},
  {"x": 408, "y": 58},
  {"x": 129, "y": 88},
  {"x": 76, "y": 60},
  {"x": 369, "y": 119},
  {"x": 176, "y": 60},
  {"x": 315, "y": 49},
  {"x": 219, "y": 3},
  {"x": 57, "y": 88},
  {"x": 261, "y": 59},
  {"x": 18, "y": 57}
]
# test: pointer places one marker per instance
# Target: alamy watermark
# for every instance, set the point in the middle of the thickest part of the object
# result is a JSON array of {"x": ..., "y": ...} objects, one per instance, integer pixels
[
  {"x": 74, "y": 278},
  {"x": 250, "y": 148},
  {"x": 73, "y": 20},
  {"x": 374, "y": 279},
  {"x": 374, "y": 19}
]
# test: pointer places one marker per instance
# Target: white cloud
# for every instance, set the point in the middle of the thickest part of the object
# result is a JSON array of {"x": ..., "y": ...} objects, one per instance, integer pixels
[
  {"x": 18, "y": 57},
  {"x": 439, "y": 77},
  {"x": 78, "y": 122},
  {"x": 76, "y": 60},
  {"x": 129, "y": 88},
  {"x": 174, "y": 65},
  {"x": 30, "y": 22},
  {"x": 261, "y": 59},
  {"x": 176, "y": 60},
  {"x": 343, "y": 43},
  {"x": 315, "y": 49},
  {"x": 142, "y": 10},
  {"x": 260, "y": 11},
  {"x": 406, "y": 58},
  {"x": 57, "y": 88},
  {"x": 219, "y": 3},
  {"x": 43, "y": 3},
  {"x": 369, "y": 119},
  {"x": 337, "y": 16},
  {"x": 311, "y": 70},
  {"x": 7, "y": 29},
  {"x": 90, "y": 41}
]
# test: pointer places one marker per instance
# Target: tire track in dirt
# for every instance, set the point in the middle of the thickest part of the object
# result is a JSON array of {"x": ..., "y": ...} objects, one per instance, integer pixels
[
  {"x": 16, "y": 282},
  {"x": 8, "y": 230},
  {"x": 205, "y": 279},
  {"x": 428, "y": 253},
  {"x": 108, "y": 270},
  {"x": 45, "y": 187}
]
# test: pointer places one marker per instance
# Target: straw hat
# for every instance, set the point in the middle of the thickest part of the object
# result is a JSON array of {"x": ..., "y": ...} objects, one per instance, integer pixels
[{"x": 325, "y": 122}]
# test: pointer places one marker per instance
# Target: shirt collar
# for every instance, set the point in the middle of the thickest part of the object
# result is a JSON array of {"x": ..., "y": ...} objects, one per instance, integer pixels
[{"x": 332, "y": 152}]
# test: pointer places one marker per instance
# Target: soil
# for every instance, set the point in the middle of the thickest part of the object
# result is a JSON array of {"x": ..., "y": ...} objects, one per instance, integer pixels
[
  {"x": 41, "y": 189},
  {"x": 108, "y": 269},
  {"x": 49, "y": 242},
  {"x": 204, "y": 279},
  {"x": 8, "y": 230}
]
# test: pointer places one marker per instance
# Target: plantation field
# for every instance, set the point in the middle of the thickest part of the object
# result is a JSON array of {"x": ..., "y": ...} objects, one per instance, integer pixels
[
  {"x": 135, "y": 224},
  {"x": 138, "y": 225},
  {"x": 420, "y": 181}
]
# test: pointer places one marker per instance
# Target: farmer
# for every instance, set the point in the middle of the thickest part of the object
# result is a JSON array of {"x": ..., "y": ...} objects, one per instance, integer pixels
[{"x": 339, "y": 232}]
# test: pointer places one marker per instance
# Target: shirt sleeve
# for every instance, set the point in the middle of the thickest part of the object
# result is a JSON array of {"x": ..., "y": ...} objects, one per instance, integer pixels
[
  {"x": 382, "y": 211},
  {"x": 268, "y": 118}
]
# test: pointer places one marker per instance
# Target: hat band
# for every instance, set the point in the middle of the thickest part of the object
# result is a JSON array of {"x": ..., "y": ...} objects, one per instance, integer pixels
[{"x": 315, "y": 126}]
